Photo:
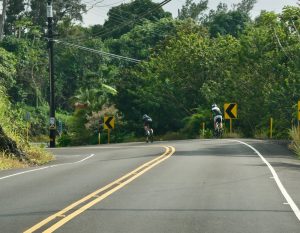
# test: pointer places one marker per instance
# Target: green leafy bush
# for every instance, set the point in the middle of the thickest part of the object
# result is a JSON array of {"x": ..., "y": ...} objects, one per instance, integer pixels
[{"x": 64, "y": 140}]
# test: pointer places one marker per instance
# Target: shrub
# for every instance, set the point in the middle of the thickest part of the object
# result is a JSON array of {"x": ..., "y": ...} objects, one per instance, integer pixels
[
  {"x": 295, "y": 136},
  {"x": 64, "y": 140}
]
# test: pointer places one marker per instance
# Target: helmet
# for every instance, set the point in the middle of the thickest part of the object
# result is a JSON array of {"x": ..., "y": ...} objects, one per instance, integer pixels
[
  {"x": 145, "y": 116},
  {"x": 214, "y": 105}
]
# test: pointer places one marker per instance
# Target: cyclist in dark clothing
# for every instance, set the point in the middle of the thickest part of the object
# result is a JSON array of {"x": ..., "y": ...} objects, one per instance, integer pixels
[{"x": 147, "y": 126}]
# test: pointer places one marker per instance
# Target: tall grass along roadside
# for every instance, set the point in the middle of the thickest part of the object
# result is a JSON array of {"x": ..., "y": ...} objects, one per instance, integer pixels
[{"x": 295, "y": 136}]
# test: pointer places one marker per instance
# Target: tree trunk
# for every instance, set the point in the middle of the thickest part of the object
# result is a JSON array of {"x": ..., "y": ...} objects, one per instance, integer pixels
[
  {"x": 9, "y": 146},
  {"x": 2, "y": 18}
]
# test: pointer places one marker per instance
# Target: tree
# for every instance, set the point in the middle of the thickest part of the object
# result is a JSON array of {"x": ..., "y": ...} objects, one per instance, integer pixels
[
  {"x": 192, "y": 10},
  {"x": 7, "y": 68},
  {"x": 139, "y": 42},
  {"x": 7, "y": 129},
  {"x": 246, "y": 6},
  {"x": 14, "y": 13},
  {"x": 30, "y": 83},
  {"x": 3, "y": 18},
  {"x": 77, "y": 69},
  {"x": 94, "y": 98},
  {"x": 123, "y": 18},
  {"x": 180, "y": 68},
  {"x": 223, "y": 21},
  {"x": 65, "y": 10}
]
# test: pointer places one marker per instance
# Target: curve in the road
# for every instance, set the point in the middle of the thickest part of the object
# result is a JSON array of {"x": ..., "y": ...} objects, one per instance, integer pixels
[
  {"x": 92, "y": 199},
  {"x": 282, "y": 189}
]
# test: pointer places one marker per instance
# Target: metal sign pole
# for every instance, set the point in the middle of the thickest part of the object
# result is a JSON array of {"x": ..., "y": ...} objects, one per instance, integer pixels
[
  {"x": 108, "y": 135},
  {"x": 99, "y": 137},
  {"x": 271, "y": 127},
  {"x": 27, "y": 133}
]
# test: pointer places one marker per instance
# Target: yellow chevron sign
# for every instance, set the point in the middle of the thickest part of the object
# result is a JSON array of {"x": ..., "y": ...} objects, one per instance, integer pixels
[
  {"x": 230, "y": 110},
  {"x": 109, "y": 122}
]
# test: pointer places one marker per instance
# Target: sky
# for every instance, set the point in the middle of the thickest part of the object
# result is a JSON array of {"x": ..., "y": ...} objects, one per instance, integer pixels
[{"x": 98, "y": 13}]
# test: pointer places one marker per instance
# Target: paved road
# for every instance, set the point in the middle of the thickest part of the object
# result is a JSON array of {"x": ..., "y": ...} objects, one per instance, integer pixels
[{"x": 207, "y": 186}]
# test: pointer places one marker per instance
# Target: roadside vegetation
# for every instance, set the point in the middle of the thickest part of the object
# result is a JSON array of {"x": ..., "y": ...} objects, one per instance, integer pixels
[
  {"x": 203, "y": 56},
  {"x": 295, "y": 136},
  {"x": 15, "y": 151}
]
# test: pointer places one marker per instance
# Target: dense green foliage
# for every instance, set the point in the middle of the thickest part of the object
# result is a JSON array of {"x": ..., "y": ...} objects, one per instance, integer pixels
[{"x": 187, "y": 64}]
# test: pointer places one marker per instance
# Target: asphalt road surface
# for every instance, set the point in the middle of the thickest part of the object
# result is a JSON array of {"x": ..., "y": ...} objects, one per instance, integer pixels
[{"x": 206, "y": 186}]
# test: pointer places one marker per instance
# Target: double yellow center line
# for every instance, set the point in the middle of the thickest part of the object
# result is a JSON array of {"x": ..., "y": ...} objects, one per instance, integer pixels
[{"x": 92, "y": 199}]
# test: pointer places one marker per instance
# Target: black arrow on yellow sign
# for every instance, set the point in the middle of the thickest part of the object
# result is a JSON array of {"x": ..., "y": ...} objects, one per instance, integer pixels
[
  {"x": 231, "y": 111},
  {"x": 109, "y": 122}
]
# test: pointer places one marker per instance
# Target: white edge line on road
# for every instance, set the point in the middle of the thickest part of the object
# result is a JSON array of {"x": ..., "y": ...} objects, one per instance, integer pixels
[
  {"x": 278, "y": 182},
  {"x": 21, "y": 173},
  {"x": 42, "y": 168},
  {"x": 92, "y": 155}
]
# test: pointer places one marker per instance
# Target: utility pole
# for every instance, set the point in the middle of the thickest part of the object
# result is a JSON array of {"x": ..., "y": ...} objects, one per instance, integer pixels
[
  {"x": 2, "y": 18},
  {"x": 51, "y": 73}
]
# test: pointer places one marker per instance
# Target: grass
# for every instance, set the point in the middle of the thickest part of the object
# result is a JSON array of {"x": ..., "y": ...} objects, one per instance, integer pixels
[
  {"x": 36, "y": 156},
  {"x": 8, "y": 162},
  {"x": 261, "y": 134},
  {"x": 295, "y": 136},
  {"x": 40, "y": 138}
]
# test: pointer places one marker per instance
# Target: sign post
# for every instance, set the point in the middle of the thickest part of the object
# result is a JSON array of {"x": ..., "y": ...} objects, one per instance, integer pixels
[
  {"x": 27, "y": 132},
  {"x": 109, "y": 123},
  {"x": 60, "y": 127},
  {"x": 271, "y": 127},
  {"x": 230, "y": 112},
  {"x": 27, "y": 117},
  {"x": 99, "y": 131}
]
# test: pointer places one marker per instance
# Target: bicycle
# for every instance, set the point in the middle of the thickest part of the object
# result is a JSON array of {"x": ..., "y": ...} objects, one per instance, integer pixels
[
  {"x": 149, "y": 134},
  {"x": 218, "y": 132}
]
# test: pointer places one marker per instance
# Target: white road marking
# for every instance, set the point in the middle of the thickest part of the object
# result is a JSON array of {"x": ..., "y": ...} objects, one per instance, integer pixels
[
  {"x": 278, "y": 182},
  {"x": 42, "y": 168},
  {"x": 21, "y": 173},
  {"x": 85, "y": 158}
]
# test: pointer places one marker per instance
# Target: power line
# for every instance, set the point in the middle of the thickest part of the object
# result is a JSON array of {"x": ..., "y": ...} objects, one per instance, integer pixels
[
  {"x": 136, "y": 20},
  {"x": 99, "y": 52},
  {"x": 120, "y": 19},
  {"x": 108, "y": 31},
  {"x": 104, "y": 5},
  {"x": 117, "y": 20}
]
